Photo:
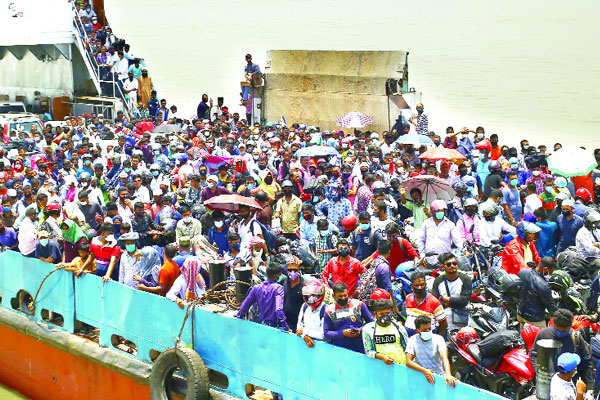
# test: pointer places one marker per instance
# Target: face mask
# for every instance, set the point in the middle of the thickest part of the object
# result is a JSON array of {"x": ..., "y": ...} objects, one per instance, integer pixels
[
  {"x": 293, "y": 275},
  {"x": 384, "y": 320},
  {"x": 324, "y": 233},
  {"x": 345, "y": 145},
  {"x": 536, "y": 173},
  {"x": 287, "y": 192},
  {"x": 549, "y": 189},
  {"x": 202, "y": 172},
  {"x": 219, "y": 224},
  {"x": 211, "y": 185},
  {"x": 130, "y": 248},
  {"x": 342, "y": 302},
  {"x": 426, "y": 336},
  {"x": 139, "y": 213},
  {"x": 439, "y": 215},
  {"x": 489, "y": 217},
  {"x": 250, "y": 186},
  {"x": 514, "y": 182},
  {"x": 560, "y": 334},
  {"x": 262, "y": 167},
  {"x": 269, "y": 180},
  {"x": 385, "y": 167},
  {"x": 242, "y": 152},
  {"x": 83, "y": 203},
  {"x": 255, "y": 157},
  {"x": 44, "y": 242},
  {"x": 346, "y": 175},
  {"x": 117, "y": 227},
  {"x": 420, "y": 292},
  {"x": 155, "y": 173},
  {"x": 419, "y": 110},
  {"x": 6, "y": 209},
  {"x": 470, "y": 212},
  {"x": 365, "y": 227},
  {"x": 566, "y": 213},
  {"x": 128, "y": 170},
  {"x": 235, "y": 246},
  {"x": 257, "y": 253},
  {"x": 344, "y": 251},
  {"x": 187, "y": 220},
  {"x": 144, "y": 74}
]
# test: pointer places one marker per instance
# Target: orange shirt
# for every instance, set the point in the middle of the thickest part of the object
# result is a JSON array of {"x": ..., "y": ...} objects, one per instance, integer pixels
[
  {"x": 168, "y": 273},
  {"x": 496, "y": 153}
]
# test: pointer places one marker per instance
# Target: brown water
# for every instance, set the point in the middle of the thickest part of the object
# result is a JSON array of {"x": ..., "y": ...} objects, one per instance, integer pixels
[{"x": 521, "y": 69}]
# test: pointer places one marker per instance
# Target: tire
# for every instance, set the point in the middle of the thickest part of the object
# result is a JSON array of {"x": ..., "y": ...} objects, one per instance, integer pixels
[{"x": 190, "y": 363}]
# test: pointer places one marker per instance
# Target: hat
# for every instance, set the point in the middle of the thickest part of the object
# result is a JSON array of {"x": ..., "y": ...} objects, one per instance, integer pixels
[
  {"x": 157, "y": 192},
  {"x": 123, "y": 174},
  {"x": 567, "y": 362},
  {"x": 130, "y": 236},
  {"x": 11, "y": 193},
  {"x": 42, "y": 234},
  {"x": 560, "y": 182},
  {"x": 528, "y": 227},
  {"x": 568, "y": 202},
  {"x": 212, "y": 178},
  {"x": 287, "y": 183},
  {"x": 363, "y": 164},
  {"x": 53, "y": 207},
  {"x": 184, "y": 241},
  {"x": 378, "y": 185},
  {"x": 82, "y": 194},
  {"x": 513, "y": 160}
]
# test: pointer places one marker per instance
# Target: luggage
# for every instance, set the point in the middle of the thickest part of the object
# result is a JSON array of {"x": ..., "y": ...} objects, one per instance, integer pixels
[{"x": 499, "y": 343}]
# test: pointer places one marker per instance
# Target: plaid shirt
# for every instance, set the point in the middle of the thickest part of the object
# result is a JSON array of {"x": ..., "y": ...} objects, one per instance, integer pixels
[
  {"x": 320, "y": 242},
  {"x": 422, "y": 126}
]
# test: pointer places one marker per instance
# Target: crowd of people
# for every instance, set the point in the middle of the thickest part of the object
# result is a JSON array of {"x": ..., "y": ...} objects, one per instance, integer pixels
[{"x": 133, "y": 212}]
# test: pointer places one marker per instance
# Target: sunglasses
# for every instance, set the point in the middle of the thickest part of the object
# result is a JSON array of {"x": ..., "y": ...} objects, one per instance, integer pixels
[{"x": 451, "y": 264}]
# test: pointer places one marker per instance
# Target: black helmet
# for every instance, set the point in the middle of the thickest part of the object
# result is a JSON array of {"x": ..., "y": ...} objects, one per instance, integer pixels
[
  {"x": 494, "y": 166},
  {"x": 510, "y": 284},
  {"x": 560, "y": 281}
]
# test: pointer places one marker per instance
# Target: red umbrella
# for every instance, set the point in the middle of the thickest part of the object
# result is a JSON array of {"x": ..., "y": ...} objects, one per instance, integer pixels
[
  {"x": 231, "y": 203},
  {"x": 442, "y": 153}
]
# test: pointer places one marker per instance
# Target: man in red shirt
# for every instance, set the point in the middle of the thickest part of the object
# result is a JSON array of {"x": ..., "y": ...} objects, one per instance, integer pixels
[
  {"x": 343, "y": 268},
  {"x": 402, "y": 250},
  {"x": 519, "y": 251}
]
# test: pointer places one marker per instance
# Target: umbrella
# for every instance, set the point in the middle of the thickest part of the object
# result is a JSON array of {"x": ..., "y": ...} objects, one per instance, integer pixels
[
  {"x": 431, "y": 186},
  {"x": 231, "y": 203},
  {"x": 572, "y": 161},
  {"x": 354, "y": 120},
  {"x": 316, "y": 151},
  {"x": 441, "y": 153},
  {"x": 414, "y": 139},
  {"x": 167, "y": 128}
]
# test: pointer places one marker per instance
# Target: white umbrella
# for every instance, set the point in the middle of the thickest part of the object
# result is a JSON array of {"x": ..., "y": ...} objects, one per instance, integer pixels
[
  {"x": 572, "y": 161},
  {"x": 354, "y": 120},
  {"x": 431, "y": 187}
]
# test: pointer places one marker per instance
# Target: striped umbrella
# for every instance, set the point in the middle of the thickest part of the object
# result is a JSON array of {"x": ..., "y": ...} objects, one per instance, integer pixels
[
  {"x": 354, "y": 120},
  {"x": 441, "y": 153},
  {"x": 431, "y": 187},
  {"x": 231, "y": 203},
  {"x": 572, "y": 161}
]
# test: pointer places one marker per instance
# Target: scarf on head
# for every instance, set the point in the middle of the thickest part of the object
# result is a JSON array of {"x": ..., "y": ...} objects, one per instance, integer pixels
[
  {"x": 74, "y": 233},
  {"x": 190, "y": 271}
]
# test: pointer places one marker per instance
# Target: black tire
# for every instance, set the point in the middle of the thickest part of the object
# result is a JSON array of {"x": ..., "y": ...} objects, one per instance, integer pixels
[{"x": 190, "y": 363}]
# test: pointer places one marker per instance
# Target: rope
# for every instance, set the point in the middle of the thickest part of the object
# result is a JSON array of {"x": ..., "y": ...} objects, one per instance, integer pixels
[
  {"x": 211, "y": 297},
  {"x": 31, "y": 306}
]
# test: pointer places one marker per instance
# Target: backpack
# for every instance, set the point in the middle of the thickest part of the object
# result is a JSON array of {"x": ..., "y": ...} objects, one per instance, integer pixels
[
  {"x": 269, "y": 235},
  {"x": 576, "y": 266},
  {"x": 355, "y": 234},
  {"x": 499, "y": 343}
]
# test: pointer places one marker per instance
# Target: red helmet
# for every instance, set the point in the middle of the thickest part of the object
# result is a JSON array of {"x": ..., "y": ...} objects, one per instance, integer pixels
[
  {"x": 349, "y": 223},
  {"x": 529, "y": 334},
  {"x": 584, "y": 194},
  {"x": 313, "y": 293},
  {"x": 465, "y": 336},
  {"x": 484, "y": 145},
  {"x": 380, "y": 294}
]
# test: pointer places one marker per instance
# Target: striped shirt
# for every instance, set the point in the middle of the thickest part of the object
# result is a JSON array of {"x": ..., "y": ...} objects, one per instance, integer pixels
[
  {"x": 422, "y": 126},
  {"x": 430, "y": 307}
]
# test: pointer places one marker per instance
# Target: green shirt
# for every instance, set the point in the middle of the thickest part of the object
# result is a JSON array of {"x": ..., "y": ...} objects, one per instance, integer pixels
[{"x": 418, "y": 213}]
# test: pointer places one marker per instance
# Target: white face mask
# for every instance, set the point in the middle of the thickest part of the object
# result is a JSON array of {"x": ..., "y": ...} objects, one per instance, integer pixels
[
  {"x": 219, "y": 224},
  {"x": 257, "y": 253}
]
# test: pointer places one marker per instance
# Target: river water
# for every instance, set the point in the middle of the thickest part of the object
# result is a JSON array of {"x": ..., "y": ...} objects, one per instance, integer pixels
[{"x": 520, "y": 69}]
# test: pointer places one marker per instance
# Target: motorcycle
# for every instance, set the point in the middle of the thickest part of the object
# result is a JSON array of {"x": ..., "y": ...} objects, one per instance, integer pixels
[
  {"x": 486, "y": 319},
  {"x": 509, "y": 374}
]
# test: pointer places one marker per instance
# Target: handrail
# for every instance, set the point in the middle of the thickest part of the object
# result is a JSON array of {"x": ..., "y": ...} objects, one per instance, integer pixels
[{"x": 84, "y": 42}]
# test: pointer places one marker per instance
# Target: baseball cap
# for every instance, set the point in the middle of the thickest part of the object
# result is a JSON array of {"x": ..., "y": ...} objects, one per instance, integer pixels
[
  {"x": 567, "y": 362},
  {"x": 43, "y": 234},
  {"x": 568, "y": 202},
  {"x": 212, "y": 178}
]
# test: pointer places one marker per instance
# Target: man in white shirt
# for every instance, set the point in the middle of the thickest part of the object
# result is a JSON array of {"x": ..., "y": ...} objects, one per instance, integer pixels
[
  {"x": 141, "y": 192},
  {"x": 561, "y": 385},
  {"x": 130, "y": 86},
  {"x": 121, "y": 67},
  {"x": 27, "y": 233},
  {"x": 532, "y": 201}
]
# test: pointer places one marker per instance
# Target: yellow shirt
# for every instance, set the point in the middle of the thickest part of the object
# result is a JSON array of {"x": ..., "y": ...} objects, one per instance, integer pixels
[{"x": 289, "y": 213}]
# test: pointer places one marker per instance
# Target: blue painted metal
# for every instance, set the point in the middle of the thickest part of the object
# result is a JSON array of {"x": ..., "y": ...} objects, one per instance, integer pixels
[{"x": 244, "y": 351}]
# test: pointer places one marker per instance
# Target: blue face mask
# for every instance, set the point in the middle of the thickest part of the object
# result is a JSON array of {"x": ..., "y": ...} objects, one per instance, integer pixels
[
  {"x": 6, "y": 209},
  {"x": 249, "y": 186},
  {"x": 324, "y": 233},
  {"x": 365, "y": 227},
  {"x": 235, "y": 246},
  {"x": 549, "y": 189},
  {"x": 128, "y": 170},
  {"x": 155, "y": 173},
  {"x": 561, "y": 334},
  {"x": 262, "y": 166},
  {"x": 315, "y": 199}
]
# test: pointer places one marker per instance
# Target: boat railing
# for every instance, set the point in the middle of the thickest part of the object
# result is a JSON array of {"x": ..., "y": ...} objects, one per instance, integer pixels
[
  {"x": 245, "y": 352},
  {"x": 100, "y": 77}
]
